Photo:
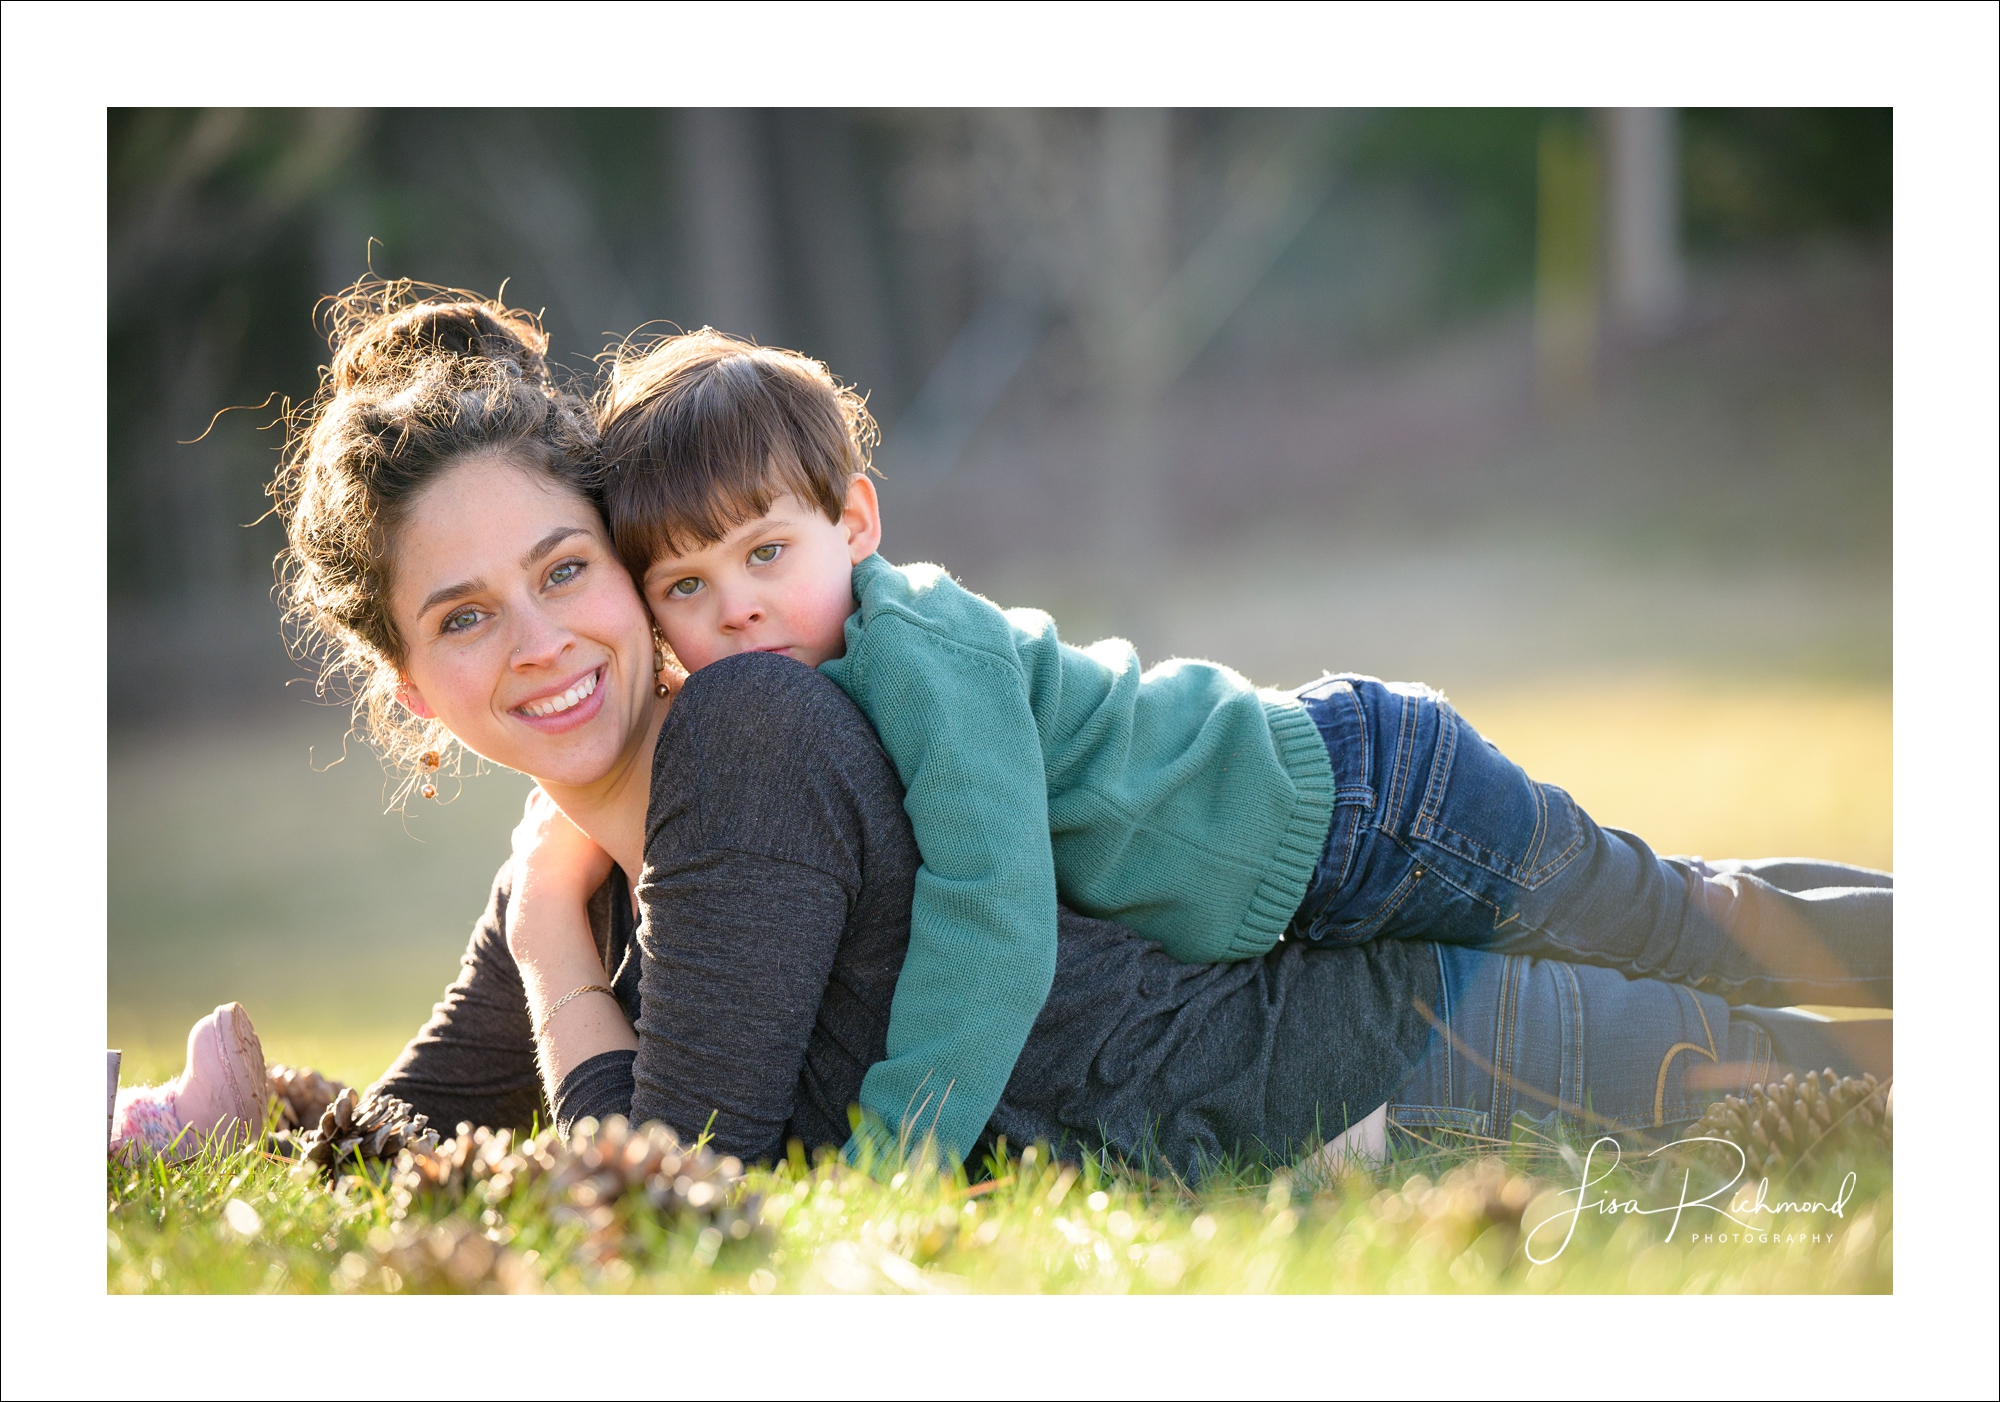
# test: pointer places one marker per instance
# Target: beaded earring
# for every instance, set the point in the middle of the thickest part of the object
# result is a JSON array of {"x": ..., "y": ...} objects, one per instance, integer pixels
[
  {"x": 661, "y": 652},
  {"x": 428, "y": 762}
]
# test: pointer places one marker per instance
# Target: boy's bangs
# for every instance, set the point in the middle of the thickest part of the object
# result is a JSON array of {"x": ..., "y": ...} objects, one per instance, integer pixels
[
  {"x": 672, "y": 513},
  {"x": 702, "y": 432}
]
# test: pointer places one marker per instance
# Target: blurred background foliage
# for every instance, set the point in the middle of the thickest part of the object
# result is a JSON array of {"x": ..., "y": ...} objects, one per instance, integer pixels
[{"x": 1583, "y": 415}]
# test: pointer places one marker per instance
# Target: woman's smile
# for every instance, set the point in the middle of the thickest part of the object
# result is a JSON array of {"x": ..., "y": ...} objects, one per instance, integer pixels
[
  {"x": 541, "y": 660},
  {"x": 561, "y": 709}
]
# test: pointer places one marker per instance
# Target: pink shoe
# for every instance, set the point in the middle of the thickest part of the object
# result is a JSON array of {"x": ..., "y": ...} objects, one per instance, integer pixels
[{"x": 223, "y": 1091}]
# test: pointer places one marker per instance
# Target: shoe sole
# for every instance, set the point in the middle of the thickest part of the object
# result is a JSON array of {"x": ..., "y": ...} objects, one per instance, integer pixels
[{"x": 249, "y": 1086}]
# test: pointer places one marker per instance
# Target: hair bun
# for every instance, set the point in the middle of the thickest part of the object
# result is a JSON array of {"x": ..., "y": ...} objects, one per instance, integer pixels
[{"x": 374, "y": 338}]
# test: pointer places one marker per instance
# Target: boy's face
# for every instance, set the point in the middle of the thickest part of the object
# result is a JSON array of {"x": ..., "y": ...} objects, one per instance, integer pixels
[{"x": 780, "y": 583}]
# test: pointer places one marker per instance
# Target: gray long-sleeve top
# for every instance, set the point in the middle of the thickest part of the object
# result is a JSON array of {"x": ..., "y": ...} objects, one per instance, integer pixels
[{"x": 776, "y": 912}]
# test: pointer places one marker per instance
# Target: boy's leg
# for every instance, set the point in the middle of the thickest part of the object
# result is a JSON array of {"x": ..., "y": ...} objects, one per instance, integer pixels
[
  {"x": 1787, "y": 941},
  {"x": 1728, "y": 932},
  {"x": 1796, "y": 873},
  {"x": 1456, "y": 844}
]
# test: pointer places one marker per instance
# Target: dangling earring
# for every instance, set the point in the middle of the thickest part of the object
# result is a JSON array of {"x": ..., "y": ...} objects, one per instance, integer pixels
[
  {"x": 428, "y": 762},
  {"x": 660, "y": 654}
]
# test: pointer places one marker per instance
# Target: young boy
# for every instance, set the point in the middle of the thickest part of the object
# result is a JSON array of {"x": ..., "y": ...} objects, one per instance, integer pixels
[{"x": 1182, "y": 802}]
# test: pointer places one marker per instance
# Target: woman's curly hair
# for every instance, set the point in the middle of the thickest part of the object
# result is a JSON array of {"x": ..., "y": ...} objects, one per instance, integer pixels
[{"x": 421, "y": 377}]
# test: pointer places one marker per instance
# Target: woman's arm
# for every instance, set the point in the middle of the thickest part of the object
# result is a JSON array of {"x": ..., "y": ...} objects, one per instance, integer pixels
[
  {"x": 475, "y": 1058},
  {"x": 727, "y": 1004},
  {"x": 567, "y": 989},
  {"x": 737, "y": 947}
]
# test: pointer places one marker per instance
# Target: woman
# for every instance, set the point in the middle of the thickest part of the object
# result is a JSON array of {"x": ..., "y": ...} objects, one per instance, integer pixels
[{"x": 446, "y": 541}]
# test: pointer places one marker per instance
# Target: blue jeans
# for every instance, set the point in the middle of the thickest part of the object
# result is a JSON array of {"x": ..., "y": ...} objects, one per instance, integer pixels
[
  {"x": 1436, "y": 835},
  {"x": 1547, "y": 1046}
]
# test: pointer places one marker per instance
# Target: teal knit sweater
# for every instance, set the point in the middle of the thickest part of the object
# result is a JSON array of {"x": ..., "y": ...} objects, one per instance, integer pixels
[{"x": 1181, "y": 802}]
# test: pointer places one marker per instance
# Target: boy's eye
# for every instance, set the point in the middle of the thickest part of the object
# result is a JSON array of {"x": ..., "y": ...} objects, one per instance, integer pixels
[
  {"x": 764, "y": 554},
  {"x": 682, "y": 588}
]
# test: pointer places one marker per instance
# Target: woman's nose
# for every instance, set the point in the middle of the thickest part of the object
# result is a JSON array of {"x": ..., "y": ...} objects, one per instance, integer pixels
[{"x": 538, "y": 639}]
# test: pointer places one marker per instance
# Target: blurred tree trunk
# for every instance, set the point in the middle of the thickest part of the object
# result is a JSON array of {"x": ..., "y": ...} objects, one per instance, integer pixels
[
  {"x": 1644, "y": 276},
  {"x": 827, "y": 217},
  {"x": 1566, "y": 272},
  {"x": 728, "y": 200},
  {"x": 1135, "y": 226}
]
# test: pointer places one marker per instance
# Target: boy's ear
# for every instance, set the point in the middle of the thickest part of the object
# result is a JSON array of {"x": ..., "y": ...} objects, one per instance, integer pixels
[
  {"x": 413, "y": 701},
  {"x": 861, "y": 514}
]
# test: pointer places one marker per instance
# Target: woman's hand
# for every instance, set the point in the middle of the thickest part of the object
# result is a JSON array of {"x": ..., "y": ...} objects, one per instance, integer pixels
[
  {"x": 556, "y": 871},
  {"x": 553, "y": 859}
]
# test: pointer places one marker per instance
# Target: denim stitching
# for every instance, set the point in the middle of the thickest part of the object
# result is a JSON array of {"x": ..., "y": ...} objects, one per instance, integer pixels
[
  {"x": 1667, "y": 1061},
  {"x": 1501, "y": 1089},
  {"x": 1361, "y": 729},
  {"x": 1352, "y": 855},
  {"x": 1406, "y": 744},
  {"x": 1571, "y": 999},
  {"x": 1444, "y": 997},
  {"x": 1441, "y": 758},
  {"x": 1499, "y": 865},
  {"x": 1443, "y": 874},
  {"x": 1469, "y": 1122},
  {"x": 1358, "y": 930}
]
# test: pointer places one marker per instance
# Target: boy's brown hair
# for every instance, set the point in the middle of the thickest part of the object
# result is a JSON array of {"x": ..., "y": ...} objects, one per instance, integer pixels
[{"x": 701, "y": 431}]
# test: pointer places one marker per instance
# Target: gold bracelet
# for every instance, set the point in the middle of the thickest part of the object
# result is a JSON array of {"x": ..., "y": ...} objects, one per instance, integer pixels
[{"x": 542, "y": 1030}]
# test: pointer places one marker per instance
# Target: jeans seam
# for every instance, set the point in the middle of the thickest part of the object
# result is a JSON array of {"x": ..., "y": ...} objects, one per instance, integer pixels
[
  {"x": 1526, "y": 877},
  {"x": 1352, "y": 854},
  {"x": 1361, "y": 729},
  {"x": 1442, "y": 755},
  {"x": 1371, "y": 924},
  {"x": 1501, "y": 1094},
  {"x": 1442, "y": 873},
  {"x": 1406, "y": 742},
  {"x": 1572, "y": 1082},
  {"x": 1444, "y": 997}
]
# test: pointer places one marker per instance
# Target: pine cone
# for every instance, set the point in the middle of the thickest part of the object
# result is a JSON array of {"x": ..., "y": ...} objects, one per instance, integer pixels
[
  {"x": 596, "y": 1178},
  {"x": 473, "y": 1158},
  {"x": 378, "y": 1128},
  {"x": 302, "y": 1095},
  {"x": 1799, "y": 1122},
  {"x": 611, "y": 1166},
  {"x": 453, "y": 1256},
  {"x": 606, "y": 1162}
]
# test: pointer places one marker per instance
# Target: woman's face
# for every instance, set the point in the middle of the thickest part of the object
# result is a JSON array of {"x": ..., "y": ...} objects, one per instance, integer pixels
[{"x": 523, "y": 633}]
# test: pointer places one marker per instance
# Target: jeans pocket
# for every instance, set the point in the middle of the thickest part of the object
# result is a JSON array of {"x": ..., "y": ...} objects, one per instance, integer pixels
[{"x": 1483, "y": 808}]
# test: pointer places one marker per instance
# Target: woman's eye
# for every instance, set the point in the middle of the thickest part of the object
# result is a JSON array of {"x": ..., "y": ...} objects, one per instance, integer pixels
[
  {"x": 682, "y": 588},
  {"x": 460, "y": 621},
  {"x": 566, "y": 571},
  {"x": 764, "y": 554}
]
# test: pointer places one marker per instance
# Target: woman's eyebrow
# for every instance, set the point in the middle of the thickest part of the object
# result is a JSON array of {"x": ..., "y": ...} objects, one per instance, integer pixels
[
  {"x": 549, "y": 542},
  {"x": 473, "y": 586},
  {"x": 448, "y": 593}
]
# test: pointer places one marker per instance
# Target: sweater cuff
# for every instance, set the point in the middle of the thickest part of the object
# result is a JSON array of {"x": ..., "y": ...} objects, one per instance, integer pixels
[
  {"x": 1302, "y": 751},
  {"x": 600, "y": 1088},
  {"x": 872, "y": 1148}
]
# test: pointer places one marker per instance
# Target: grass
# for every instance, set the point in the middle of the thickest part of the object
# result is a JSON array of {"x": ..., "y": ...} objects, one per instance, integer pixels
[
  {"x": 1436, "y": 1220},
  {"x": 238, "y": 872}
]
